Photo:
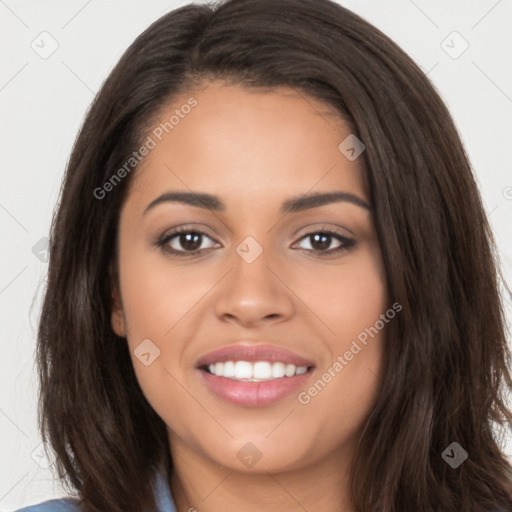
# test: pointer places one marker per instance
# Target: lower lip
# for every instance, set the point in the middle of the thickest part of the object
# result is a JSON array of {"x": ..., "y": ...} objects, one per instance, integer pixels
[{"x": 253, "y": 394}]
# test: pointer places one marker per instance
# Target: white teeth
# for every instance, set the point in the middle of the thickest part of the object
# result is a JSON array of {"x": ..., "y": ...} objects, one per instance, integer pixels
[
  {"x": 261, "y": 370},
  {"x": 255, "y": 372},
  {"x": 278, "y": 370},
  {"x": 243, "y": 370},
  {"x": 228, "y": 370},
  {"x": 289, "y": 371}
]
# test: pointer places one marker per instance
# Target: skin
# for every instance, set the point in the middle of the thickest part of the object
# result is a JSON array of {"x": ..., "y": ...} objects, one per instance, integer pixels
[{"x": 253, "y": 149}]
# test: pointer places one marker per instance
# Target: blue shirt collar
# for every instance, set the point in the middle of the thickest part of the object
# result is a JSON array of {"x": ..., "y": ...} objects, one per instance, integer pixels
[{"x": 163, "y": 496}]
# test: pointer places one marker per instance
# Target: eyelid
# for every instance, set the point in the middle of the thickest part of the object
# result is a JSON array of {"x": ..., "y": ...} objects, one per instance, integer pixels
[
  {"x": 185, "y": 228},
  {"x": 315, "y": 228}
]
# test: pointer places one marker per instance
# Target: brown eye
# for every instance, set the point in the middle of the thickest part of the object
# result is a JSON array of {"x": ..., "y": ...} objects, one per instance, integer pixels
[
  {"x": 190, "y": 241},
  {"x": 320, "y": 242},
  {"x": 183, "y": 242}
]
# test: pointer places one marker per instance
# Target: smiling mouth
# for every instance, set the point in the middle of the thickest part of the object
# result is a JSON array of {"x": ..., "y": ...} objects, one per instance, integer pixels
[
  {"x": 259, "y": 371},
  {"x": 248, "y": 375}
]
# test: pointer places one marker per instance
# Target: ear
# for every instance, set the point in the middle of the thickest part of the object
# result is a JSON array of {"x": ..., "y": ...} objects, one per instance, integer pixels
[{"x": 117, "y": 319}]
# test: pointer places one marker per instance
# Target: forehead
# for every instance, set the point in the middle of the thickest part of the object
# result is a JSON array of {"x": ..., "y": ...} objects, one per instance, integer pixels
[{"x": 247, "y": 142}]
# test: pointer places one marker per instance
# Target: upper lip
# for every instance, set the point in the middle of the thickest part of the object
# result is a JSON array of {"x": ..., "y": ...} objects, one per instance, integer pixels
[{"x": 253, "y": 353}]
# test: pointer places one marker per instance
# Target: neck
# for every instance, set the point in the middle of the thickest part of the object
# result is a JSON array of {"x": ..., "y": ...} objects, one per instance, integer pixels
[{"x": 198, "y": 484}]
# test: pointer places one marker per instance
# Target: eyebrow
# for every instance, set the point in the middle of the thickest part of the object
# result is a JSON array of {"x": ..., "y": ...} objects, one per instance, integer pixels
[{"x": 294, "y": 204}]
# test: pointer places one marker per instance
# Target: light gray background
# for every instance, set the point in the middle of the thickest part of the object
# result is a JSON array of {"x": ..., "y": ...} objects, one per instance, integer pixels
[{"x": 43, "y": 103}]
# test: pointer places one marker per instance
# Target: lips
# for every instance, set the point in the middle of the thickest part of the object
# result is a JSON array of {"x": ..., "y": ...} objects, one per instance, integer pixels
[{"x": 253, "y": 375}]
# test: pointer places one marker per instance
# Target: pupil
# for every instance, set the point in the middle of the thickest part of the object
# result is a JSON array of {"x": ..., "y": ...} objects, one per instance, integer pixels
[
  {"x": 190, "y": 241},
  {"x": 319, "y": 245}
]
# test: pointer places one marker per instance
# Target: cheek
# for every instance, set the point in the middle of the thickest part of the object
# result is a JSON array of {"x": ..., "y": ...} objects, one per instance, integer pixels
[
  {"x": 347, "y": 298},
  {"x": 156, "y": 299},
  {"x": 156, "y": 294},
  {"x": 361, "y": 299},
  {"x": 351, "y": 303}
]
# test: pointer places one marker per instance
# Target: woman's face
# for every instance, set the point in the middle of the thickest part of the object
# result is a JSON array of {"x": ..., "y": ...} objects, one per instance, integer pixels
[{"x": 267, "y": 285}]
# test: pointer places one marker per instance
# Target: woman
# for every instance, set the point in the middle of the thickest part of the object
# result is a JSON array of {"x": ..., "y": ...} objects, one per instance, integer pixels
[{"x": 271, "y": 282}]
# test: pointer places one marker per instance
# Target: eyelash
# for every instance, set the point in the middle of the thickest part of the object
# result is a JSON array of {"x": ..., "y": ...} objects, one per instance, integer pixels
[{"x": 346, "y": 243}]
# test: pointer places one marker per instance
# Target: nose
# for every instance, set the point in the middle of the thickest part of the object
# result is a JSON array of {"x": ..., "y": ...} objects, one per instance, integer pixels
[{"x": 254, "y": 294}]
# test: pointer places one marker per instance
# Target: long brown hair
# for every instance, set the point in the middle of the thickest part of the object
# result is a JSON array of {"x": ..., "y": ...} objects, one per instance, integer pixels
[{"x": 446, "y": 353}]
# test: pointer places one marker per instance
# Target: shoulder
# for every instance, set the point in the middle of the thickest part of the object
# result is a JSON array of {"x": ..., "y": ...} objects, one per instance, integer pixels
[{"x": 62, "y": 505}]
